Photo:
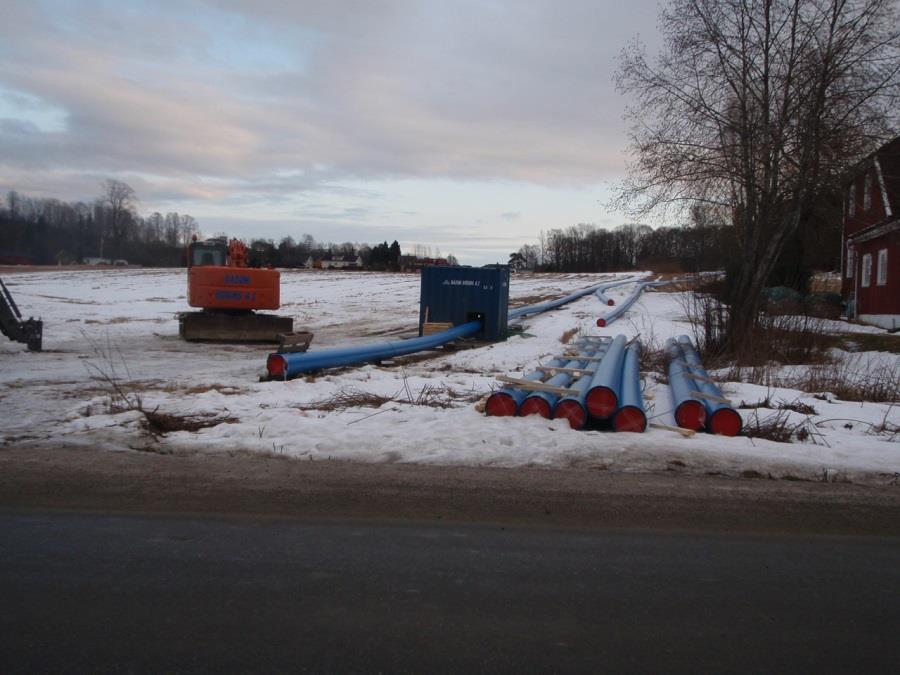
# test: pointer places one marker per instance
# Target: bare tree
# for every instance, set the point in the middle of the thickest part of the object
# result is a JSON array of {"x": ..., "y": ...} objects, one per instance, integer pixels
[
  {"x": 758, "y": 107},
  {"x": 120, "y": 200}
]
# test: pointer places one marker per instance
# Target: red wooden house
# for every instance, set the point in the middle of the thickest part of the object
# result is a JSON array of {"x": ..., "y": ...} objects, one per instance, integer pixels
[{"x": 871, "y": 238}]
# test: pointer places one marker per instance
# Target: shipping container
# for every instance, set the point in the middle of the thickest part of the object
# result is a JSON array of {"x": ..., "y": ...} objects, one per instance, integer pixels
[{"x": 457, "y": 295}]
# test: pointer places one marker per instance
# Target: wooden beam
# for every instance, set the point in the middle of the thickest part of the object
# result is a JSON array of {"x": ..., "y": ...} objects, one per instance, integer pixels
[
  {"x": 578, "y": 372},
  {"x": 687, "y": 433},
  {"x": 536, "y": 386}
]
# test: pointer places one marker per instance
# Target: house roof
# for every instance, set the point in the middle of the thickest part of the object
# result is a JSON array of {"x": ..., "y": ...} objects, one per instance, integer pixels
[{"x": 886, "y": 161}]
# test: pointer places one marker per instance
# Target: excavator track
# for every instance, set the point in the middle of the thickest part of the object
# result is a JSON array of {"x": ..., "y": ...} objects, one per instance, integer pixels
[{"x": 232, "y": 326}]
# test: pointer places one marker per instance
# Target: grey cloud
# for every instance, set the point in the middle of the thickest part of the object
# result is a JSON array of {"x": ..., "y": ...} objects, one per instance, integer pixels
[{"x": 466, "y": 90}]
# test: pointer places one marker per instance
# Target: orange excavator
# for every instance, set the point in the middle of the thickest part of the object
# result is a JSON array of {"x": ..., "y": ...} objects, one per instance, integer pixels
[{"x": 229, "y": 292}]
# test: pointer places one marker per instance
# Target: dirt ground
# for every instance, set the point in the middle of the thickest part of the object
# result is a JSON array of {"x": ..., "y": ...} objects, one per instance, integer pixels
[{"x": 265, "y": 486}]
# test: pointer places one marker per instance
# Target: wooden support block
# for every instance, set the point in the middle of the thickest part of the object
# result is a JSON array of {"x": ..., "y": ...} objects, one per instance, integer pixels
[
  {"x": 536, "y": 386},
  {"x": 687, "y": 433},
  {"x": 432, "y": 327}
]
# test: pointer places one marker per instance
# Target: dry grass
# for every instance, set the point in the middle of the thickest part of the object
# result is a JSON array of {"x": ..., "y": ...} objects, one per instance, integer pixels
[
  {"x": 430, "y": 395},
  {"x": 566, "y": 337},
  {"x": 159, "y": 424}
]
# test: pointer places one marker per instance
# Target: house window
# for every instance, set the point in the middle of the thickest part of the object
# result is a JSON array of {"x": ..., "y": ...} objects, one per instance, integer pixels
[
  {"x": 867, "y": 193},
  {"x": 866, "y": 270},
  {"x": 851, "y": 260},
  {"x": 881, "y": 276},
  {"x": 851, "y": 200}
]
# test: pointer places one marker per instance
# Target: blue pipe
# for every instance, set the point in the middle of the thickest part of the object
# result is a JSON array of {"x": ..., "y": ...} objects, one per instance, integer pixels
[
  {"x": 631, "y": 416},
  {"x": 690, "y": 413},
  {"x": 553, "y": 304},
  {"x": 723, "y": 418},
  {"x": 620, "y": 309},
  {"x": 602, "y": 397},
  {"x": 285, "y": 366},
  {"x": 542, "y": 402},
  {"x": 506, "y": 401}
]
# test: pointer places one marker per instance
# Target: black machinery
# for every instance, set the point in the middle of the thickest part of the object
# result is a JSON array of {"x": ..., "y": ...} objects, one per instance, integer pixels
[{"x": 30, "y": 331}]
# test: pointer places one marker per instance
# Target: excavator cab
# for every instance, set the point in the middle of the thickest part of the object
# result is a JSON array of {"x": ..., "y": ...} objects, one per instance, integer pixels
[{"x": 212, "y": 252}]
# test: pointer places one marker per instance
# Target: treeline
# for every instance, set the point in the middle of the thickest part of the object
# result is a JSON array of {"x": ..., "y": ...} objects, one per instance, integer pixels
[
  {"x": 46, "y": 231},
  {"x": 701, "y": 245},
  {"x": 289, "y": 252},
  {"x": 50, "y": 232}
]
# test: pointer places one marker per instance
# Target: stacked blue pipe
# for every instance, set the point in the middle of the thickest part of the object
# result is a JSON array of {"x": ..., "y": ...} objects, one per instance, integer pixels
[
  {"x": 286, "y": 366},
  {"x": 507, "y": 401},
  {"x": 544, "y": 403},
  {"x": 722, "y": 418},
  {"x": 602, "y": 397},
  {"x": 690, "y": 411},
  {"x": 630, "y": 415}
]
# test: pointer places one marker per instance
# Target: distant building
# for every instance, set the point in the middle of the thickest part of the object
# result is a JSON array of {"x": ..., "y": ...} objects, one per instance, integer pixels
[
  {"x": 328, "y": 261},
  {"x": 411, "y": 263},
  {"x": 97, "y": 261},
  {"x": 870, "y": 269}
]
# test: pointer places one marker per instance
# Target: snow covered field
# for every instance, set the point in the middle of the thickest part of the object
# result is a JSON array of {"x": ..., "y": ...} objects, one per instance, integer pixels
[{"x": 122, "y": 323}]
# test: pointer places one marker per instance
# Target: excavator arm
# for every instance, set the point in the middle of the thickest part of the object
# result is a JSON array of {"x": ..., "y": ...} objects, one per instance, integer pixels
[{"x": 30, "y": 331}]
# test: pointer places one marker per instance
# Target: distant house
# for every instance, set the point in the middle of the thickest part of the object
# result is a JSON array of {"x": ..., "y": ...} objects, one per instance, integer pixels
[
  {"x": 97, "y": 261},
  {"x": 329, "y": 261},
  {"x": 870, "y": 269}
]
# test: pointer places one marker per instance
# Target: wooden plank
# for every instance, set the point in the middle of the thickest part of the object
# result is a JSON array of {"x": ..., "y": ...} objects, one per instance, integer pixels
[
  {"x": 578, "y": 372},
  {"x": 536, "y": 386},
  {"x": 574, "y": 356},
  {"x": 709, "y": 397},
  {"x": 432, "y": 327},
  {"x": 687, "y": 433}
]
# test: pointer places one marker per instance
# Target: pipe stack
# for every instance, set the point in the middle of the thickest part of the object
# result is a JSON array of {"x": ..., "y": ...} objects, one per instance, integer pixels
[
  {"x": 699, "y": 403},
  {"x": 603, "y": 383}
]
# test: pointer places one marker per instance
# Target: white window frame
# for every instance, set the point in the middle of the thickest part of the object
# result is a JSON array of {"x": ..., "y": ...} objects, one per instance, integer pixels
[
  {"x": 881, "y": 274},
  {"x": 866, "y": 275},
  {"x": 851, "y": 262},
  {"x": 851, "y": 200},
  {"x": 867, "y": 193}
]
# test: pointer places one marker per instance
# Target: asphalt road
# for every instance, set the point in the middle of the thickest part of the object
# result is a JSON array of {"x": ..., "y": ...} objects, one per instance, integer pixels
[{"x": 167, "y": 593}]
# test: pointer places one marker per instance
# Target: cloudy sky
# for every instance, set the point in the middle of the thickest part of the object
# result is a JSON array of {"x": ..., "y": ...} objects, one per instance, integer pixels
[{"x": 466, "y": 126}]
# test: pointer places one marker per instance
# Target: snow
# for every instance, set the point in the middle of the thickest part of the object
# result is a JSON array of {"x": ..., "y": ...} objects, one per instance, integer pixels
[{"x": 104, "y": 324}]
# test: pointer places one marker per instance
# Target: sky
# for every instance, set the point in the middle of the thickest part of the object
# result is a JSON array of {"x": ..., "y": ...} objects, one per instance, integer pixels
[{"x": 466, "y": 126}]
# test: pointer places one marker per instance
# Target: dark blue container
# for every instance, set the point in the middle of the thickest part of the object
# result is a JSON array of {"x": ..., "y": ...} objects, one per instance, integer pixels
[{"x": 458, "y": 295}]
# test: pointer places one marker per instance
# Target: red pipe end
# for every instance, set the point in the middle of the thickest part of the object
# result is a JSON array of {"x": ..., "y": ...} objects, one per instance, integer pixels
[
  {"x": 534, "y": 405},
  {"x": 690, "y": 415},
  {"x": 571, "y": 411},
  {"x": 601, "y": 323},
  {"x": 610, "y": 302},
  {"x": 277, "y": 366},
  {"x": 726, "y": 422},
  {"x": 601, "y": 402},
  {"x": 500, "y": 404},
  {"x": 630, "y": 418}
]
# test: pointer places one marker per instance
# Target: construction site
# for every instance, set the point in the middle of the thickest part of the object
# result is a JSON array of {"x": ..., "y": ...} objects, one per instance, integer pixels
[{"x": 456, "y": 366}]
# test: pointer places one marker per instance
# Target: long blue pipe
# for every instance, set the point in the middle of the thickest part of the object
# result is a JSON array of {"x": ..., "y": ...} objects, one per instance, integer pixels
[
  {"x": 553, "y": 304},
  {"x": 620, "y": 309},
  {"x": 286, "y": 366},
  {"x": 630, "y": 415}
]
